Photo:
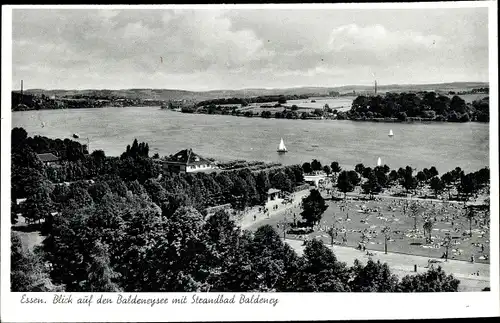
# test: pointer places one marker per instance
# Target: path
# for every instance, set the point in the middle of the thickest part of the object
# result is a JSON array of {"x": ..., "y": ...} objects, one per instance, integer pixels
[
  {"x": 248, "y": 219},
  {"x": 405, "y": 198},
  {"x": 403, "y": 264}
]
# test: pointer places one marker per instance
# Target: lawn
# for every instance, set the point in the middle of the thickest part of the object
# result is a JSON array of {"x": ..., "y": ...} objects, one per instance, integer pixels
[{"x": 353, "y": 219}]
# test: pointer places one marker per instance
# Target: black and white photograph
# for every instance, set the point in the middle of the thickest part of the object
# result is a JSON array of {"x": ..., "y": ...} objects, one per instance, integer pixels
[{"x": 235, "y": 153}]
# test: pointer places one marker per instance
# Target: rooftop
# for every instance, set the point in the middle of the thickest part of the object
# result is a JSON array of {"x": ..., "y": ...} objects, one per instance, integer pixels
[
  {"x": 272, "y": 191},
  {"x": 48, "y": 157},
  {"x": 188, "y": 157}
]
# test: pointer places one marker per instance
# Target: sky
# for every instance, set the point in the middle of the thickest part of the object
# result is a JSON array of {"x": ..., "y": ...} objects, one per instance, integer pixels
[{"x": 246, "y": 48}]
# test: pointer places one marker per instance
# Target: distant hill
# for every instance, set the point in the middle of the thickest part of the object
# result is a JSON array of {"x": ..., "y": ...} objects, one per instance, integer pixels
[{"x": 169, "y": 94}]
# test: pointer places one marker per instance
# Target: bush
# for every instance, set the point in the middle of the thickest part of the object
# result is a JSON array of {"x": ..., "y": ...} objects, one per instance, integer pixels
[{"x": 402, "y": 116}]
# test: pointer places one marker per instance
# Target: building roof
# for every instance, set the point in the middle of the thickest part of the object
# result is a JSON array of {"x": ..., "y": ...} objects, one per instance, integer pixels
[
  {"x": 272, "y": 191},
  {"x": 48, "y": 157},
  {"x": 20, "y": 201},
  {"x": 188, "y": 157}
]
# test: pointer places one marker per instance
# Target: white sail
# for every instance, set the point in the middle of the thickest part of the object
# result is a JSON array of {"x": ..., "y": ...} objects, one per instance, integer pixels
[
  {"x": 390, "y": 133},
  {"x": 379, "y": 162},
  {"x": 282, "y": 146}
]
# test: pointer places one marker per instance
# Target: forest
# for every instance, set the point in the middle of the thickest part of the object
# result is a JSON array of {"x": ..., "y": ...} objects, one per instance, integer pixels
[
  {"x": 423, "y": 105},
  {"x": 259, "y": 99},
  {"x": 114, "y": 224},
  {"x": 381, "y": 177}
]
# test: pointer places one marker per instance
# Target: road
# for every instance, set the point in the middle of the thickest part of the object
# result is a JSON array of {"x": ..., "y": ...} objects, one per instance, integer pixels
[
  {"x": 248, "y": 221},
  {"x": 402, "y": 264}
]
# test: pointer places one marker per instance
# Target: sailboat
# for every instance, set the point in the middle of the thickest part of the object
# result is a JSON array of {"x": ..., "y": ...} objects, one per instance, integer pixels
[
  {"x": 391, "y": 134},
  {"x": 379, "y": 162},
  {"x": 282, "y": 147}
]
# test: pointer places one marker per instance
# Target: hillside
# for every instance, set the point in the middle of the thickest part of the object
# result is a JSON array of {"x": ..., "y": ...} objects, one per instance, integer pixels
[{"x": 170, "y": 94}]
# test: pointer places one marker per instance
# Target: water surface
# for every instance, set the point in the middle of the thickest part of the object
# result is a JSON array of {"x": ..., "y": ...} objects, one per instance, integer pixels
[{"x": 444, "y": 145}]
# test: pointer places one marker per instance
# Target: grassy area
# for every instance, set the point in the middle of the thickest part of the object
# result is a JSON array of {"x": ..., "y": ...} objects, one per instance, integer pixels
[
  {"x": 29, "y": 234},
  {"x": 469, "y": 98},
  {"x": 355, "y": 219}
]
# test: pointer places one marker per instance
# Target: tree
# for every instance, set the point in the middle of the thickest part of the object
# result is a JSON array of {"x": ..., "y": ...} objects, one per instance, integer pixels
[
  {"x": 268, "y": 255},
  {"x": 307, "y": 168},
  {"x": 298, "y": 172},
  {"x": 468, "y": 185},
  {"x": 320, "y": 271},
  {"x": 344, "y": 183},
  {"x": 434, "y": 280},
  {"x": 393, "y": 176},
  {"x": 28, "y": 272},
  {"x": 335, "y": 167},
  {"x": 421, "y": 177},
  {"x": 223, "y": 249},
  {"x": 177, "y": 263},
  {"x": 39, "y": 205},
  {"x": 374, "y": 277},
  {"x": 332, "y": 232},
  {"x": 386, "y": 231},
  {"x": 371, "y": 185},
  {"x": 354, "y": 177},
  {"x": 367, "y": 171},
  {"x": 313, "y": 207},
  {"x": 436, "y": 185},
  {"x": 136, "y": 188},
  {"x": 447, "y": 179},
  {"x": 470, "y": 215},
  {"x": 101, "y": 276},
  {"x": 262, "y": 185},
  {"x": 281, "y": 181},
  {"x": 359, "y": 168},
  {"x": 456, "y": 174},
  {"x": 433, "y": 171},
  {"x": 154, "y": 189},
  {"x": 18, "y": 137},
  {"x": 457, "y": 104},
  {"x": 316, "y": 165},
  {"x": 266, "y": 114},
  {"x": 407, "y": 180},
  {"x": 327, "y": 170},
  {"x": 98, "y": 155},
  {"x": 447, "y": 245},
  {"x": 414, "y": 211},
  {"x": 428, "y": 229},
  {"x": 382, "y": 178},
  {"x": 483, "y": 176},
  {"x": 98, "y": 190},
  {"x": 401, "y": 116}
]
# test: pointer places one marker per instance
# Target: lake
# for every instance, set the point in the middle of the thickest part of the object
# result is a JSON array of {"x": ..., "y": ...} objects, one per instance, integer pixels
[{"x": 444, "y": 145}]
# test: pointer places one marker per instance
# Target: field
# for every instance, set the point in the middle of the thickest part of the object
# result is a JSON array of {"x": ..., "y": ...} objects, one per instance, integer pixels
[
  {"x": 469, "y": 98},
  {"x": 306, "y": 105},
  {"x": 30, "y": 235},
  {"x": 354, "y": 219}
]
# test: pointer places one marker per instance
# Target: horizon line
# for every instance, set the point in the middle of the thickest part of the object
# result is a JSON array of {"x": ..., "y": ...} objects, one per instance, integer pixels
[{"x": 255, "y": 88}]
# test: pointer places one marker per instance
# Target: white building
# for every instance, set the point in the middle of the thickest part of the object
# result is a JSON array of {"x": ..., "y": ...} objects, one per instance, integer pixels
[{"x": 186, "y": 161}]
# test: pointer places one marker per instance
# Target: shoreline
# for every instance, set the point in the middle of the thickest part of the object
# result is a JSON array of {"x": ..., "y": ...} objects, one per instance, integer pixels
[
  {"x": 335, "y": 119},
  {"x": 375, "y": 120}
]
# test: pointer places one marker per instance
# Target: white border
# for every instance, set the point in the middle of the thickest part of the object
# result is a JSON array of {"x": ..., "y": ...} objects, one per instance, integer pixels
[
  {"x": 291, "y": 306},
  {"x": 294, "y": 6}
]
